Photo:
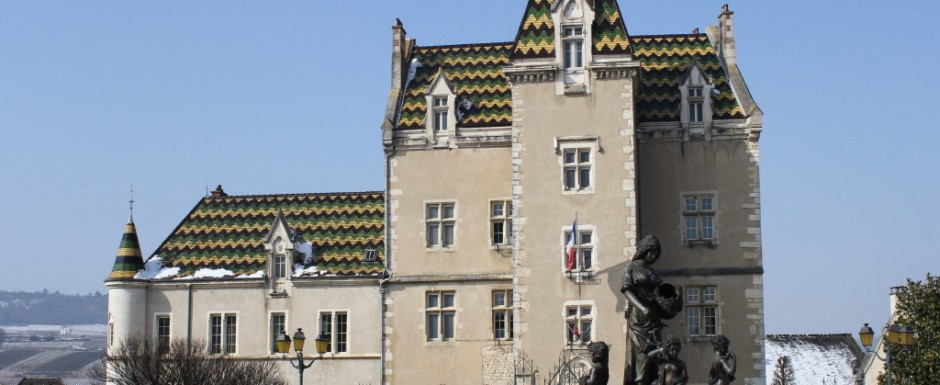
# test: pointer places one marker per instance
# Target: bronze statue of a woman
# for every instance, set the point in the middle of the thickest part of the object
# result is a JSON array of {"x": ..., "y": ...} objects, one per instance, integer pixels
[{"x": 649, "y": 302}]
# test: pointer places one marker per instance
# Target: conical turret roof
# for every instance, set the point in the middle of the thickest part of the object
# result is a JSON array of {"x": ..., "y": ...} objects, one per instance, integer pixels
[{"x": 129, "y": 259}]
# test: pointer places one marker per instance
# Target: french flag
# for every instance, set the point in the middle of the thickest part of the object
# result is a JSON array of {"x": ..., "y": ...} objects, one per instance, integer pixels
[{"x": 570, "y": 246}]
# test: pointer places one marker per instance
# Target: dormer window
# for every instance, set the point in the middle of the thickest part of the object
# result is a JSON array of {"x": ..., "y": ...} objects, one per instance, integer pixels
[
  {"x": 440, "y": 112},
  {"x": 573, "y": 40},
  {"x": 696, "y": 101}
]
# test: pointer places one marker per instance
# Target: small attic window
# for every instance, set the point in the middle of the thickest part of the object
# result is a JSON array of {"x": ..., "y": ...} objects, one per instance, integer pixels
[
  {"x": 572, "y": 10},
  {"x": 371, "y": 255},
  {"x": 440, "y": 111}
]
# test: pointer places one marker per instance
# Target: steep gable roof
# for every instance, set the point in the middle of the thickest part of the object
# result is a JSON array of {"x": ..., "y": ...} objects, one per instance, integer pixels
[
  {"x": 476, "y": 73},
  {"x": 227, "y": 234},
  {"x": 665, "y": 60},
  {"x": 609, "y": 32},
  {"x": 129, "y": 259},
  {"x": 536, "y": 36}
]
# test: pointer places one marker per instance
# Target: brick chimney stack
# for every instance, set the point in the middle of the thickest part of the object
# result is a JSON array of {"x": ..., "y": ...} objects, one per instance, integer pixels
[
  {"x": 726, "y": 34},
  {"x": 399, "y": 48}
]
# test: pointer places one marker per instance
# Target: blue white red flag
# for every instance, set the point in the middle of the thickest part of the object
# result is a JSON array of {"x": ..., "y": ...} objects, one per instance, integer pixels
[{"x": 570, "y": 246}]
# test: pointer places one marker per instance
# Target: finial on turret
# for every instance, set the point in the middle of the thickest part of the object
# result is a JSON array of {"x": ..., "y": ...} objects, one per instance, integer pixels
[{"x": 131, "y": 201}]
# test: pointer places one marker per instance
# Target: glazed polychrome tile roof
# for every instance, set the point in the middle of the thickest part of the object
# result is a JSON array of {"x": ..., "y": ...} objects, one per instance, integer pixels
[
  {"x": 476, "y": 70},
  {"x": 129, "y": 259},
  {"x": 227, "y": 233},
  {"x": 666, "y": 60}
]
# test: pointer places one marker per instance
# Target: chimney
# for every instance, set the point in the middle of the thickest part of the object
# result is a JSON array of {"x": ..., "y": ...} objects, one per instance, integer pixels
[
  {"x": 726, "y": 34},
  {"x": 695, "y": 31},
  {"x": 895, "y": 293},
  {"x": 219, "y": 193},
  {"x": 399, "y": 47}
]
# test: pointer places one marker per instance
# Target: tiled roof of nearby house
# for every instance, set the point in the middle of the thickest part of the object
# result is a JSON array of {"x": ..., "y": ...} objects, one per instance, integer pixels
[
  {"x": 476, "y": 70},
  {"x": 41, "y": 381},
  {"x": 129, "y": 258},
  {"x": 834, "y": 358},
  {"x": 226, "y": 233},
  {"x": 666, "y": 60}
]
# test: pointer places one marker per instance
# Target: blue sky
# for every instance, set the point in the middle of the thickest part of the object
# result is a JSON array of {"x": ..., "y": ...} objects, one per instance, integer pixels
[{"x": 288, "y": 97}]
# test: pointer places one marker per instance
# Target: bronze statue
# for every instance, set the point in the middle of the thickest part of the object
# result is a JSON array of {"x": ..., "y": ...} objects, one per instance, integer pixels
[
  {"x": 724, "y": 364},
  {"x": 600, "y": 372},
  {"x": 649, "y": 302},
  {"x": 671, "y": 370}
]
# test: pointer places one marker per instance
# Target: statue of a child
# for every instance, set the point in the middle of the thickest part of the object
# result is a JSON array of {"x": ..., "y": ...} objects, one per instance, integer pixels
[
  {"x": 672, "y": 371},
  {"x": 724, "y": 364},
  {"x": 599, "y": 373}
]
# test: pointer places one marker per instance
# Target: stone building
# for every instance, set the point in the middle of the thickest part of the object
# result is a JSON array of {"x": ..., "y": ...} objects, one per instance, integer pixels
[{"x": 520, "y": 175}]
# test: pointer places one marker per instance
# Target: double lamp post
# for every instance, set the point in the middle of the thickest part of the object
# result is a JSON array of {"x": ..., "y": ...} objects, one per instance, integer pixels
[
  {"x": 283, "y": 346},
  {"x": 897, "y": 335}
]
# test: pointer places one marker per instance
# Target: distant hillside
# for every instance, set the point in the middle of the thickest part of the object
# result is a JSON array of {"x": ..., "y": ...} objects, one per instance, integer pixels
[{"x": 22, "y": 308}]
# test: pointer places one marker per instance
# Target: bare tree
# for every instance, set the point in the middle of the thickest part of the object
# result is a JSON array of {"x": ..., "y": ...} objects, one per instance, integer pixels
[
  {"x": 3, "y": 337},
  {"x": 139, "y": 361},
  {"x": 783, "y": 373}
]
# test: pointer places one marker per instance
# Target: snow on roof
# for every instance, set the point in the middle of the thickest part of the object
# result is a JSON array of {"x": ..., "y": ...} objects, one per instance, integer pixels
[{"x": 832, "y": 359}]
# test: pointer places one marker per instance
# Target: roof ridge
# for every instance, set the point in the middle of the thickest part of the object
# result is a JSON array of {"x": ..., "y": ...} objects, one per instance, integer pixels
[
  {"x": 372, "y": 192},
  {"x": 508, "y": 43},
  {"x": 670, "y": 35}
]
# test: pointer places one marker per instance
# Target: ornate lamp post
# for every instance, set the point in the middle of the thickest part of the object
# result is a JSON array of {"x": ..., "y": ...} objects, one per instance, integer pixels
[
  {"x": 283, "y": 345},
  {"x": 897, "y": 334}
]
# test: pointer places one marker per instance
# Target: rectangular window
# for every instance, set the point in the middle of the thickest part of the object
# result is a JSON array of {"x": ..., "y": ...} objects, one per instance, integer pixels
[
  {"x": 696, "y": 103},
  {"x": 440, "y": 310},
  {"x": 501, "y": 222},
  {"x": 579, "y": 324},
  {"x": 223, "y": 333},
  {"x": 333, "y": 325},
  {"x": 441, "y": 222},
  {"x": 278, "y": 326},
  {"x": 701, "y": 310},
  {"x": 440, "y": 112},
  {"x": 502, "y": 315},
  {"x": 578, "y": 164},
  {"x": 698, "y": 217},
  {"x": 573, "y": 43},
  {"x": 280, "y": 266},
  {"x": 163, "y": 334},
  {"x": 584, "y": 250}
]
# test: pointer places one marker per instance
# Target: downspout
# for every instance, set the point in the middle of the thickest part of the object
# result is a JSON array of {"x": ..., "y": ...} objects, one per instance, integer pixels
[{"x": 189, "y": 315}]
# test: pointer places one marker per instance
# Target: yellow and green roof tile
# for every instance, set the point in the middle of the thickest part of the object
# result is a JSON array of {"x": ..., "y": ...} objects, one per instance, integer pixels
[
  {"x": 476, "y": 69},
  {"x": 228, "y": 233}
]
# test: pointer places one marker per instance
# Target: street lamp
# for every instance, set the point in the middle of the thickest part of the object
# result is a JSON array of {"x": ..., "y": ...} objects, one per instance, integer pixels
[
  {"x": 283, "y": 345},
  {"x": 897, "y": 334}
]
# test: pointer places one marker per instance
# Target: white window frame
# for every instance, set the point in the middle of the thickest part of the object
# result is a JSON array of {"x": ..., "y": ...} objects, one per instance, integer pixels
[
  {"x": 501, "y": 218},
  {"x": 156, "y": 331},
  {"x": 505, "y": 309},
  {"x": 583, "y": 248},
  {"x": 441, "y": 223},
  {"x": 279, "y": 266},
  {"x": 439, "y": 113},
  {"x": 579, "y": 318},
  {"x": 436, "y": 329},
  {"x": 575, "y": 146},
  {"x": 698, "y": 305},
  {"x": 573, "y": 46},
  {"x": 696, "y": 102},
  {"x": 274, "y": 333},
  {"x": 224, "y": 340},
  {"x": 334, "y": 333},
  {"x": 699, "y": 218}
]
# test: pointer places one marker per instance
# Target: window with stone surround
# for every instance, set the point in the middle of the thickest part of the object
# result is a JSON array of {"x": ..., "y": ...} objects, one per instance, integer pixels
[
  {"x": 502, "y": 315},
  {"x": 278, "y": 325},
  {"x": 163, "y": 333},
  {"x": 701, "y": 310},
  {"x": 698, "y": 218},
  {"x": 440, "y": 224},
  {"x": 579, "y": 323},
  {"x": 334, "y": 325},
  {"x": 441, "y": 315},
  {"x": 501, "y": 222},
  {"x": 223, "y": 333},
  {"x": 583, "y": 243}
]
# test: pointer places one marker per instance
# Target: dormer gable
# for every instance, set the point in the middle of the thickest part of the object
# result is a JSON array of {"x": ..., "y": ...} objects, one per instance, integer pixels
[
  {"x": 696, "y": 90},
  {"x": 281, "y": 253},
  {"x": 441, "y": 117}
]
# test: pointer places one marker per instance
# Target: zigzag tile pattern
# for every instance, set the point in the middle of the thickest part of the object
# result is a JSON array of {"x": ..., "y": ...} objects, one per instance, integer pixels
[
  {"x": 666, "y": 60},
  {"x": 609, "y": 31},
  {"x": 228, "y": 233},
  {"x": 536, "y": 36},
  {"x": 128, "y": 259},
  {"x": 476, "y": 72}
]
